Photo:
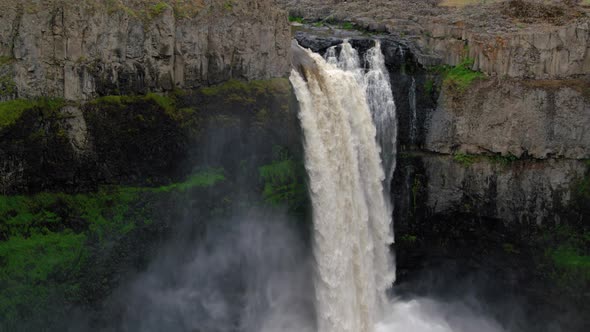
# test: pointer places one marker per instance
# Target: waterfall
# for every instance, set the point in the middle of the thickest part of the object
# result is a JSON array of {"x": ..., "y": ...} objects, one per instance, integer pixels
[
  {"x": 380, "y": 98},
  {"x": 351, "y": 211},
  {"x": 376, "y": 83},
  {"x": 414, "y": 118}
]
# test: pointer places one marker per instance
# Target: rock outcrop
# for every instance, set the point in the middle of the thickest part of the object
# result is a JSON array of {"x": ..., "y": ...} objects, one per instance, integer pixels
[
  {"x": 80, "y": 50},
  {"x": 550, "y": 52},
  {"x": 500, "y": 44},
  {"x": 539, "y": 119},
  {"x": 521, "y": 192}
]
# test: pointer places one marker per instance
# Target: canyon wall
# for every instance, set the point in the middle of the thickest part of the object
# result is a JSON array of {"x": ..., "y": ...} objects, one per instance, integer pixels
[{"x": 80, "y": 50}]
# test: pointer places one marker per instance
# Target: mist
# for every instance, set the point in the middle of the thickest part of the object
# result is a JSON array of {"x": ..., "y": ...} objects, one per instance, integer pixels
[{"x": 250, "y": 272}]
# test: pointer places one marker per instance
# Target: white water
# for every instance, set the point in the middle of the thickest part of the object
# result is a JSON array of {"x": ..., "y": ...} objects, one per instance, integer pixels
[
  {"x": 376, "y": 83},
  {"x": 346, "y": 113},
  {"x": 351, "y": 213}
]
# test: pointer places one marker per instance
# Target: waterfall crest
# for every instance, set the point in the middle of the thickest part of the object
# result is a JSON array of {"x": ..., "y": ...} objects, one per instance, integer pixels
[
  {"x": 376, "y": 83},
  {"x": 351, "y": 210}
]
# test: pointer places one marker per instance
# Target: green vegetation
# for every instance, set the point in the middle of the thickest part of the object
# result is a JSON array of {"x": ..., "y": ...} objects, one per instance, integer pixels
[
  {"x": 347, "y": 26},
  {"x": 571, "y": 260},
  {"x": 4, "y": 60},
  {"x": 7, "y": 85},
  {"x": 165, "y": 102},
  {"x": 246, "y": 93},
  {"x": 284, "y": 182},
  {"x": 460, "y": 77},
  {"x": 158, "y": 8},
  {"x": 150, "y": 9},
  {"x": 429, "y": 86},
  {"x": 203, "y": 179},
  {"x": 228, "y": 5},
  {"x": 47, "y": 239},
  {"x": 12, "y": 110},
  {"x": 408, "y": 239},
  {"x": 465, "y": 159},
  {"x": 503, "y": 160},
  {"x": 567, "y": 257},
  {"x": 296, "y": 19}
]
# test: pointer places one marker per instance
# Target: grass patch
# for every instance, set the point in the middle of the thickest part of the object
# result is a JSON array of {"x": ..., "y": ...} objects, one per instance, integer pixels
[
  {"x": 11, "y": 111},
  {"x": 203, "y": 179},
  {"x": 461, "y": 76},
  {"x": 247, "y": 93},
  {"x": 158, "y": 9},
  {"x": 296, "y": 19},
  {"x": 166, "y": 103},
  {"x": 347, "y": 26}
]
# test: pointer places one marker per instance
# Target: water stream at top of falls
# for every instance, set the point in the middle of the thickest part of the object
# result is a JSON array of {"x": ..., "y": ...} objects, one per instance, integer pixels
[
  {"x": 344, "y": 112},
  {"x": 376, "y": 83}
]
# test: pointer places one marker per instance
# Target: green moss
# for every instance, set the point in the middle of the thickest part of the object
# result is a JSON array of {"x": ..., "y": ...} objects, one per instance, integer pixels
[
  {"x": 7, "y": 86},
  {"x": 5, "y": 60},
  {"x": 503, "y": 160},
  {"x": 297, "y": 19},
  {"x": 45, "y": 239},
  {"x": 11, "y": 111},
  {"x": 565, "y": 260},
  {"x": 228, "y": 5},
  {"x": 167, "y": 103},
  {"x": 465, "y": 159},
  {"x": 284, "y": 182},
  {"x": 570, "y": 258},
  {"x": 461, "y": 76},
  {"x": 408, "y": 239},
  {"x": 158, "y": 8},
  {"x": 38, "y": 270},
  {"x": 203, "y": 179},
  {"x": 347, "y": 26}
]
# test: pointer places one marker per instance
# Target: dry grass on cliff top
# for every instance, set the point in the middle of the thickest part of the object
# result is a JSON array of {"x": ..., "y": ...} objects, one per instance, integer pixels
[{"x": 136, "y": 8}]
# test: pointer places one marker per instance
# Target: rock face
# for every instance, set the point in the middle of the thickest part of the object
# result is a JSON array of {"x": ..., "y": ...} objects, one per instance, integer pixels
[
  {"x": 539, "y": 119},
  {"x": 79, "y": 51},
  {"x": 146, "y": 140},
  {"x": 500, "y": 44},
  {"x": 521, "y": 192},
  {"x": 552, "y": 52}
]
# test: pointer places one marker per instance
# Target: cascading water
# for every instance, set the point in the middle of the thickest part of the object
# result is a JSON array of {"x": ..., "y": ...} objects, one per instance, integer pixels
[
  {"x": 351, "y": 211},
  {"x": 376, "y": 83},
  {"x": 380, "y": 99}
]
